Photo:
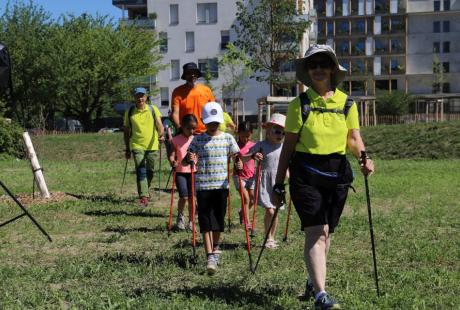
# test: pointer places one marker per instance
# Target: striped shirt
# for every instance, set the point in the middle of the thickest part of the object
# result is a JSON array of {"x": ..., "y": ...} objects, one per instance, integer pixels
[{"x": 213, "y": 153}]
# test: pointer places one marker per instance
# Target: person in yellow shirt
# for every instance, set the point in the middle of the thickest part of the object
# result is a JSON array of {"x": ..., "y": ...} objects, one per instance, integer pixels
[
  {"x": 143, "y": 132},
  {"x": 227, "y": 125},
  {"x": 320, "y": 125}
]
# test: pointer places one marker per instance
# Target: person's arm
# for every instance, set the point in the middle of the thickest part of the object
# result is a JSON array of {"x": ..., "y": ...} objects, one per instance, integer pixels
[
  {"x": 356, "y": 146},
  {"x": 172, "y": 157},
  {"x": 159, "y": 126}
]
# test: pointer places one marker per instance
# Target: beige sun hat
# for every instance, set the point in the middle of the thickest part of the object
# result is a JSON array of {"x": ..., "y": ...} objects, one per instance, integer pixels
[{"x": 301, "y": 64}]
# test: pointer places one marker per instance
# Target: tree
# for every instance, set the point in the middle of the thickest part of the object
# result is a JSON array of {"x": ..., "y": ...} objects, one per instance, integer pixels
[
  {"x": 25, "y": 29},
  {"x": 270, "y": 32},
  {"x": 438, "y": 75},
  {"x": 236, "y": 70},
  {"x": 395, "y": 103},
  {"x": 98, "y": 62}
]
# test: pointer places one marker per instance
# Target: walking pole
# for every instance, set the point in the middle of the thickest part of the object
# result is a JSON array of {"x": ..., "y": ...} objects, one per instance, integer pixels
[
  {"x": 245, "y": 221},
  {"x": 229, "y": 200},
  {"x": 169, "y": 178},
  {"x": 286, "y": 230},
  {"x": 256, "y": 197},
  {"x": 371, "y": 227},
  {"x": 172, "y": 202},
  {"x": 124, "y": 176},
  {"x": 193, "y": 212},
  {"x": 283, "y": 200},
  {"x": 159, "y": 172}
]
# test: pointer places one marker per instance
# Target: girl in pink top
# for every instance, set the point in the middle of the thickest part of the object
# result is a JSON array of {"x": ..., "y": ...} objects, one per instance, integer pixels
[
  {"x": 180, "y": 145},
  {"x": 247, "y": 174}
]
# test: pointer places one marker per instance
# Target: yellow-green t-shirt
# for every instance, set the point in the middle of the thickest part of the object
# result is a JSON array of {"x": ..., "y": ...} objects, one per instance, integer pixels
[
  {"x": 144, "y": 135},
  {"x": 323, "y": 133},
  {"x": 227, "y": 121}
]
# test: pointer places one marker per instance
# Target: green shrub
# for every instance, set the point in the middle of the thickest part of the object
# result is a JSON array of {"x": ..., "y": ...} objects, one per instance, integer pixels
[
  {"x": 10, "y": 139},
  {"x": 395, "y": 103}
]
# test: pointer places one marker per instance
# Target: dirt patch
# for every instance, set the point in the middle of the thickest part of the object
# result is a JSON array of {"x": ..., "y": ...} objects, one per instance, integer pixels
[{"x": 28, "y": 200}]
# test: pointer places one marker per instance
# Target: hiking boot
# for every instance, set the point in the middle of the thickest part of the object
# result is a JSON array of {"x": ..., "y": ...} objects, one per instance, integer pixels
[
  {"x": 180, "y": 223},
  {"x": 211, "y": 266},
  {"x": 143, "y": 202},
  {"x": 309, "y": 290},
  {"x": 326, "y": 302}
]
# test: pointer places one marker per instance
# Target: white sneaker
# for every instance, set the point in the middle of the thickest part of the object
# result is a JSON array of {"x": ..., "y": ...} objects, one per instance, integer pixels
[
  {"x": 180, "y": 223},
  {"x": 271, "y": 244},
  {"x": 211, "y": 266}
]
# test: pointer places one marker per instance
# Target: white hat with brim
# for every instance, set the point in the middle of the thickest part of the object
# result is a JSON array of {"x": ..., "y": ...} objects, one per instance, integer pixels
[
  {"x": 301, "y": 65},
  {"x": 212, "y": 112},
  {"x": 277, "y": 119}
]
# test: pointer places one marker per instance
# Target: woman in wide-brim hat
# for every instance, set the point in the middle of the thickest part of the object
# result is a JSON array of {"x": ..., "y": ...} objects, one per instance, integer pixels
[{"x": 320, "y": 127}]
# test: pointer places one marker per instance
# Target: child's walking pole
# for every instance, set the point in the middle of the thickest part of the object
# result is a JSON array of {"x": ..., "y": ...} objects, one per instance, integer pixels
[
  {"x": 245, "y": 219},
  {"x": 172, "y": 201},
  {"x": 192, "y": 164},
  {"x": 159, "y": 172},
  {"x": 229, "y": 200},
  {"x": 286, "y": 230},
  {"x": 256, "y": 197}
]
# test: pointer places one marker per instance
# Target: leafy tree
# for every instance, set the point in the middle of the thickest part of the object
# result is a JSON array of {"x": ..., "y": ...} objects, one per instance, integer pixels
[
  {"x": 98, "y": 62},
  {"x": 269, "y": 31},
  {"x": 25, "y": 29},
  {"x": 438, "y": 75},
  {"x": 395, "y": 103}
]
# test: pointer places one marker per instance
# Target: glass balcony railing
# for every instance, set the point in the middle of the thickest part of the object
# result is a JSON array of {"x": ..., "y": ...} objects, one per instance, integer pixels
[{"x": 141, "y": 23}]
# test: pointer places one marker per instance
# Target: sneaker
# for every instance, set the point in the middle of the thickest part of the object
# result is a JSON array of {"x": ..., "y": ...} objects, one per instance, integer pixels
[
  {"x": 326, "y": 302},
  {"x": 190, "y": 226},
  {"x": 271, "y": 244},
  {"x": 211, "y": 266},
  {"x": 309, "y": 290},
  {"x": 180, "y": 223},
  {"x": 143, "y": 202},
  {"x": 217, "y": 252}
]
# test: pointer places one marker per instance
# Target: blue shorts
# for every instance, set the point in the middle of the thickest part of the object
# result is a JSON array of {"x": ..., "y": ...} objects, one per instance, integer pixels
[
  {"x": 184, "y": 184},
  {"x": 247, "y": 183}
]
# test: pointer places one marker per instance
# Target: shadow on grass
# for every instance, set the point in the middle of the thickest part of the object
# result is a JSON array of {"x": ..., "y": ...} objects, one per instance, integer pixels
[
  {"x": 185, "y": 243},
  {"x": 231, "y": 294},
  {"x": 139, "y": 213},
  {"x": 103, "y": 198},
  {"x": 183, "y": 260},
  {"x": 124, "y": 230}
]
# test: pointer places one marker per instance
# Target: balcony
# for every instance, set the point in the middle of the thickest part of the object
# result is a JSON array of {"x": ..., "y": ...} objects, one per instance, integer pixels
[
  {"x": 129, "y": 3},
  {"x": 140, "y": 23}
]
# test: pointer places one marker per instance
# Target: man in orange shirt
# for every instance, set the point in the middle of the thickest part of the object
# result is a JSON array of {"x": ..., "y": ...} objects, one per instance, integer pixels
[{"x": 190, "y": 98}]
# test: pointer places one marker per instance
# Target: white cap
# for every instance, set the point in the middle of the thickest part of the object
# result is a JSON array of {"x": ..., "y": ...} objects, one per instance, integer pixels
[
  {"x": 277, "y": 119},
  {"x": 212, "y": 112}
]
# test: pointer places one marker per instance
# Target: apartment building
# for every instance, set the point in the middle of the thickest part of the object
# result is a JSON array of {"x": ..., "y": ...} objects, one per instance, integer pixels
[
  {"x": 410, "y": 45},
  {"x": 197, "y": 31}
]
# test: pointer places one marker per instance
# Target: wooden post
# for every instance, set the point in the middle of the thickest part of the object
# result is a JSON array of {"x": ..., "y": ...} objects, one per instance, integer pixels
[
  {"x": 260, "y": 118},
  {"x": 374, "y": 112},
  {"x": 36, "y": 169}
]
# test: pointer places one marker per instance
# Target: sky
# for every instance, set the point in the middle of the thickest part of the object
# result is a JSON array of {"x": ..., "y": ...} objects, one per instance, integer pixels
[{"x": 77, "y": 7}]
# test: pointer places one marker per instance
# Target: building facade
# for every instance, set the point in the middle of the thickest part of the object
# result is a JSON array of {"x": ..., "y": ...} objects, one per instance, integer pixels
[
  {"x": 196, "y": 31},
  {"x": 409, "y": 45}
]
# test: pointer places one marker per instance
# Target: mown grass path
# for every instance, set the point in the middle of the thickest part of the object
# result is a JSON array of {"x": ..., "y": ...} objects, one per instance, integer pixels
[{"x": 108, "y": 254}]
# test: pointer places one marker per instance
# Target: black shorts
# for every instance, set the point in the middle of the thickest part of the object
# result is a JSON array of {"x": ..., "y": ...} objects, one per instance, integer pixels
[
  {"x": 184, "y": 184},
  {"x": 316, "y": 205},
  {"x": 212, "y": 206}
]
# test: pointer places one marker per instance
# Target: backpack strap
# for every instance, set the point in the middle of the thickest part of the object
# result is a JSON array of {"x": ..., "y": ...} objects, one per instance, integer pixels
[
  {"x": 305, "y": 109},
  {"x": 348, "y": 103}
]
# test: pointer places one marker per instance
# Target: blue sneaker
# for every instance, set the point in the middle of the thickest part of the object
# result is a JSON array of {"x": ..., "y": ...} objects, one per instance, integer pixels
[
  {"x": 326, "y": 302},
  {"x": 309, "y": 291}
]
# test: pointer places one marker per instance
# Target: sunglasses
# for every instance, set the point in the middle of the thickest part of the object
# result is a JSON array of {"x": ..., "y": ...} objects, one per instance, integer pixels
[
  {"x": 190, "y": 128},
  {"x": 277, "y": 132},
  {"x": 322, "y": 64}
]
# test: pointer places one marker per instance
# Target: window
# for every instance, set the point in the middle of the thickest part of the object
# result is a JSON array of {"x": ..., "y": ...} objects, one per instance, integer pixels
[
  {"x": 224, "y": 39},
  {"x": 321, "y": 28},
  {"x": 320, "y": 6},
  {"x": 175, "y": 69},
  {"x": 206, "y": 13},
  {"x": 397, "y": 66},
  {"x": 358, "y": 67},
  {"x": 397, "y": 46},
  {"x": 436, "y": 27},
  {"x": 446, "y": 5},
  {"x": 164, "y": 96},
  {"x": 436, "y": 47},
  {"x": 437, "y": 6},
  {"x": 343, "y": 27},
  {"x": 338, "y": 7},
  {"x": 446, "y": 26},
  {"x": 445, "y": 67},
  {"x": 209, "y": 66},
  {"x": 381, "y": 46},
  {"x": 358, "y": 47},
  {"x": 343, "y": 47},
  {"x": 163, "y": 42},
  {"x": 358, "y": 26},
  {"x": 330, "y": 28},
  {"x": 358, "y": 87},
  {"x": 287, "y": 66},
  {"x": 446, "y": 87},
  {"x": 189, "y": 41},
  {"x": 174, "y": 14},
  {"x": 446, "y": 47},
  {"x": 382, "y": 6},
  {"x": 397, "y": 24}
]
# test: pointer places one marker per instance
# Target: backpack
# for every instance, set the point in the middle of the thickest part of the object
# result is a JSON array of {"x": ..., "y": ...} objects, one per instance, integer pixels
[{"x": 131, "y": 111}]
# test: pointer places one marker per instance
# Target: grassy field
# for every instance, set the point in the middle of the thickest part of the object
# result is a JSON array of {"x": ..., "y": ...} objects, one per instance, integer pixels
[{"x": 109, "y": 254}]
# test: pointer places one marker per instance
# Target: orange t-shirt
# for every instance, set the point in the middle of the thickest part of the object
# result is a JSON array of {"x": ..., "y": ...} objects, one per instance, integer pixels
[{"x": 191, "y": 101}]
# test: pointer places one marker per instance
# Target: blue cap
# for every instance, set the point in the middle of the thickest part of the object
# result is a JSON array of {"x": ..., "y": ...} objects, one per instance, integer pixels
[{"x": 140, "y": 90}]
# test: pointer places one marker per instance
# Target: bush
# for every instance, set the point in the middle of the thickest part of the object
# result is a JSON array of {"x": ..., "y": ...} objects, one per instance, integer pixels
[
  {"x": 10, "y": 139},
  {"x": 395, "y": 103}
]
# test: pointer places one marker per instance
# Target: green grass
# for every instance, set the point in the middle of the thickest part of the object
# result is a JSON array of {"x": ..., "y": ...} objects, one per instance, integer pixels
[{"x": 108, "y": 254}]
